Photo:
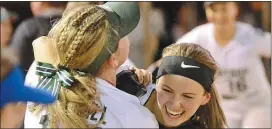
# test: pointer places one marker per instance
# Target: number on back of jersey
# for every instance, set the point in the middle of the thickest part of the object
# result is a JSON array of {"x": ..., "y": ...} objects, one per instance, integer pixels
[{"x": 98, "y": 117}]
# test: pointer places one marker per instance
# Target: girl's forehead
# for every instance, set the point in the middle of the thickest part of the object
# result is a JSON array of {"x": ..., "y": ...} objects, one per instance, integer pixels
[
  {"x": 220, "y": 5},
  {"x": 180, "y": 83}
]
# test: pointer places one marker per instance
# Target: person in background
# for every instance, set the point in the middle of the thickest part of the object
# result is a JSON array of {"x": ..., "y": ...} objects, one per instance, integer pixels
[
  {"x": 14, "y": 94},
  {"x": 45, "y": 13},
  {"x": 237, "y": 47},
  {"x": 6, "y": 26},
  {"x": 182, "y": 24},
  {"x": 155, "y": 20}
]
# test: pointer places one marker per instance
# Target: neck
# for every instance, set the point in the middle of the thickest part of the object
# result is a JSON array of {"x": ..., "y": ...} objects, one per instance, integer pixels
[
  {"x": 224, "y": 34},
  {"x": 153, "y": 106},
  {"x": 108, "y": 75}
]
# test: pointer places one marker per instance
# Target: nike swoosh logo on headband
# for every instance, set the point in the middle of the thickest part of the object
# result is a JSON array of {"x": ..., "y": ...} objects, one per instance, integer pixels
[{"x": 187, "y": 66}]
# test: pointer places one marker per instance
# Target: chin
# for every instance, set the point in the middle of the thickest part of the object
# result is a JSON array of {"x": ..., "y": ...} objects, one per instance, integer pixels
[
  {"x": 171, "y": 120},
  {"x": 172, "y": 123},
  {"x": 222, "y": 25}
]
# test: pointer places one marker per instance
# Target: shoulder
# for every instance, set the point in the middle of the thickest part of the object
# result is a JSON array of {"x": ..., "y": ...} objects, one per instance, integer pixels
[
  {"x": 249, "y": 32},
  {"x": 203, "y": 27},
  {"x": 29, "y": 22},
  {"x": 27, "y": 27},
  {"x": 249, "y": 29},
  {"x": 244, "y": 29},
  {"x": 196, "y": 34},
  {"x": 33, "y": 23}
]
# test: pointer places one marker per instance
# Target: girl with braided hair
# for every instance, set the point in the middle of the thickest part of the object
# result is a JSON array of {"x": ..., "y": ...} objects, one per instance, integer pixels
[{"x": 77, "y": 63}]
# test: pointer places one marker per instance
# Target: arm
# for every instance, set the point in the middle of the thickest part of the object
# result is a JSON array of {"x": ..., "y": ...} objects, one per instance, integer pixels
[
  {"x": 19, "y": 37},
  {"x": 22, "y": 43},
  {"x": 262, "y": 44}
]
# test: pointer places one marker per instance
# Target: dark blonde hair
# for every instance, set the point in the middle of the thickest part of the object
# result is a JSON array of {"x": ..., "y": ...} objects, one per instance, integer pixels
[
  {"x": 211, "y": 114},
  {"x": 79, "y": 37}
]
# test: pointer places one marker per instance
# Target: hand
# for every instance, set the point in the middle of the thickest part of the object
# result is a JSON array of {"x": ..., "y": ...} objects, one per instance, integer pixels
[{"x": 144, "y": 77}]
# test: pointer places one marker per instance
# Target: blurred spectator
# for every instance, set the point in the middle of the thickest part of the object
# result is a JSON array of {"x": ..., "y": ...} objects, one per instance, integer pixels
[
  {"x": 254, "y": 14},
  {"x": 44, "y": 15},
  {"x": 237, "y": 48},
  {"x": 181, "y": 27},
  {"x": 137, "y": 37},
  {"x": 6, "y": 26},
  {"x": 251, "y": 13}
]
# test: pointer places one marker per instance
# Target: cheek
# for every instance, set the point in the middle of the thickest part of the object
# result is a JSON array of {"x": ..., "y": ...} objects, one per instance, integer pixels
[
  {"x": 191, "y": 106},
  {"x": 127, "y": 45},
  {"x": 163, "y": 97},
  {"x": 232, "y": 14},
  {"x": 123, "y": 48},
  {"x": 126, "y": 48}
]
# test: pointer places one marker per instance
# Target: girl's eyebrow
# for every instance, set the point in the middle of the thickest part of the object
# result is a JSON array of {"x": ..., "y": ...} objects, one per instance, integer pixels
[
  {"x": 190, "y": 93},
  {"x": 164, "y": 85},
  {"x": 172, "y": 89}
]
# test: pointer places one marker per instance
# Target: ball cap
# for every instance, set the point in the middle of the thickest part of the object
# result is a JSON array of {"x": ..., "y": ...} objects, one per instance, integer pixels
[{"x": 123, "y": 16}]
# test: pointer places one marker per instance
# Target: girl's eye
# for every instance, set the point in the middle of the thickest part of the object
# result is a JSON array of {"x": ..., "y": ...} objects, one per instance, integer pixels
[
  {"x": 167, "y": 90},
  {"x": 188, "y": 96}
]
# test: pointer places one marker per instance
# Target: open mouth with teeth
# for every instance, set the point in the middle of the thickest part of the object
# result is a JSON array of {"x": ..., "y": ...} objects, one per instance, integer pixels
[{"x": 174, "y": 114}]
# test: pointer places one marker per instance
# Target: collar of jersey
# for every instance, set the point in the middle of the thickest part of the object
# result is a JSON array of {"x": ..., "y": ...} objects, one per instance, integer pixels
[{"x": 105, "y": 84}]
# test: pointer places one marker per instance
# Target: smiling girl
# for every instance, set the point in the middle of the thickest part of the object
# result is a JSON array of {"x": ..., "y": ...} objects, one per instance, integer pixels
[{"x": 184, "y": 95}]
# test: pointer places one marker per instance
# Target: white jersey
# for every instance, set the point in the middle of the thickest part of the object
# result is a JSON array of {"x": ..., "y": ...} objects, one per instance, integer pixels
[
  {"x": 121, "y": 110},
  {"x": 242, "y": 82}
]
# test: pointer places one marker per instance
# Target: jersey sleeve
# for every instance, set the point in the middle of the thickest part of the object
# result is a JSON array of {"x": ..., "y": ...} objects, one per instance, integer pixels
[{"x": 262, "y": 43}]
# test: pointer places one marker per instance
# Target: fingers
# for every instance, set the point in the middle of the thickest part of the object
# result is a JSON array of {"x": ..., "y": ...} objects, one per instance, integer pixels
[
  {"x": 131, "y": 68},
  {"x": 150, "y": 77},
  {"x": 144, "y": 76},
  {"x": 140, "y": 75}
]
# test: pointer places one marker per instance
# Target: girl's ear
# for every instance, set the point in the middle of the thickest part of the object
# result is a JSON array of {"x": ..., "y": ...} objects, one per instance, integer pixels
[
  {"x": 113, "y": 62},
  {"x": 206, "y": 98}
]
